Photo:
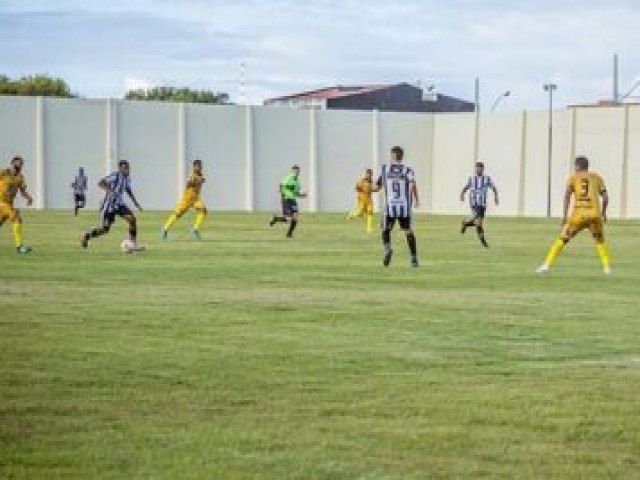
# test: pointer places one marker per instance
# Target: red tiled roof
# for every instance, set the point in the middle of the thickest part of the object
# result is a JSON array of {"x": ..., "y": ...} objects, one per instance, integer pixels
[{"x": 331, "y": 92}]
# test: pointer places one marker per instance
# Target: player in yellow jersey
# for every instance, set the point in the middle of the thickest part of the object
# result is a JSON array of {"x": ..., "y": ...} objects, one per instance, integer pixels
[
  {"x": 12, "y": 182},
  {"x": 364, "y": 188},
  {"x": 586, "y": 188},
  {"x": 190, "y": 199}
]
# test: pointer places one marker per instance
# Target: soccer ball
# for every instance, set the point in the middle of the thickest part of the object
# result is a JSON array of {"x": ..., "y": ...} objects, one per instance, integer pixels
[{"x": 127, "y": 245}]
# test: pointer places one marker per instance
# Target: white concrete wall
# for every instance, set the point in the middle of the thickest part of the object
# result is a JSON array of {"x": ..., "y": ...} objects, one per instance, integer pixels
[{"x": 247, "y": 150}]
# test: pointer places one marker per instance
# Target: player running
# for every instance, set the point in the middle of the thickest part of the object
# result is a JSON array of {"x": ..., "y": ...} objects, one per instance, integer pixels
[
  {"x": 12, "y": 182},
  {"x": 478, "y": 186},
  {"x": 290, "y": 191},
  {"x": 79, "y": 187},
  {"x": 115, "y": 186},
  {"x": 399, "y": 185},
  {"x": 586, "y": 188},
  {"x": 190, "y": 199},
  {"x": 364, "y": 189}
]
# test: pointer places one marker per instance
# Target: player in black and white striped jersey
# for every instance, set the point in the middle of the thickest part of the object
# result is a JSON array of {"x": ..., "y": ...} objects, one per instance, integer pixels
[
  {"x": 398, "y": 183},
  {"x": 115, "y": 185},
  {"x": 79, "y": 187},
  {"x": 478, "y": 187}
]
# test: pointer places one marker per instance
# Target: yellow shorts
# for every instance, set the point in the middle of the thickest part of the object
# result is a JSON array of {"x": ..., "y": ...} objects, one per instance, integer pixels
[
  {"x": 364, "y": 208},
  {"x": 7, "y": 212},
  {"x": 186, "y": 203},
  {"x": 579, "y": 222}
]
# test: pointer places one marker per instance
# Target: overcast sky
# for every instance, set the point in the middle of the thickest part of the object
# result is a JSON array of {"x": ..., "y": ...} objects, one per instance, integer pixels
[{"x": 103, "y": 47}]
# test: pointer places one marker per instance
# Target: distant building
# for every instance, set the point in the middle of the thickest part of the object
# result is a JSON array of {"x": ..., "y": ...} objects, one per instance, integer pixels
[
  {"x": 632, "y": 101},
  {"x": 401, "y": 97}
]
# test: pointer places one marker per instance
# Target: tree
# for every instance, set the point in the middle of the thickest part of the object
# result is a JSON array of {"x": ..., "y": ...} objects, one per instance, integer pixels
[
  {"x": 172, "y": 94},
  {"x": 35, "y": 85}
]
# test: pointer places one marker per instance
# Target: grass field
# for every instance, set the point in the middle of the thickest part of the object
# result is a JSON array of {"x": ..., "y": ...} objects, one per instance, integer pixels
[{"x": 249, "y": 356}]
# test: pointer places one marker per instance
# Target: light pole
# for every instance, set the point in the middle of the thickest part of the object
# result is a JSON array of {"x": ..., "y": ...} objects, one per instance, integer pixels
[
  {"x": 550, "y": 87},
  {"x": 499, "y": 99}
]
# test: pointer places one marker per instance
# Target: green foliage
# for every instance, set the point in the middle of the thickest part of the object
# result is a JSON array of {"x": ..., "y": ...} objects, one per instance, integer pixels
[
  {"x": 249, "y": 356},
  {"x": 172, "y": 94},
  {"x": 35, "y": 85}
]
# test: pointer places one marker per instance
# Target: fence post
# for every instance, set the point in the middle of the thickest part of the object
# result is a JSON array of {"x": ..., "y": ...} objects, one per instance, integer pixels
[
  {"x": 313, "y": 163},
  {"x": 249, "y": 159},
  {"x": 182, "y": 147},
  {"x": 111, "y": 135},
  {"x": 40, "y": 154},
  {"x": 375, "y": 150},
  {"x": 522, "y": 180},
  {"x": 624, "y": 186}
]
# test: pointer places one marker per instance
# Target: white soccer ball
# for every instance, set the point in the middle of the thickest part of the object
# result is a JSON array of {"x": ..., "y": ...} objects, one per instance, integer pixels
[{"x": 127, "y": 245}]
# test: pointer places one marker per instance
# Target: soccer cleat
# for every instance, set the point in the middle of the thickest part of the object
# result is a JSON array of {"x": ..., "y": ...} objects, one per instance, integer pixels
[
  {"x": 84, "y": 241},
  {"x": 463, "y": 226},
  {"x": 607, "y": 270},
  {"x": 196, "y": 234},
  {"x": 23, "y": 250},
  {"x": 484, "y": 243},
  {"x": 386, "y": 260},
  {"x": 164, "y": 233},
  {"x": 414, "y": 262},
  {"x": 543, "y": 269}
]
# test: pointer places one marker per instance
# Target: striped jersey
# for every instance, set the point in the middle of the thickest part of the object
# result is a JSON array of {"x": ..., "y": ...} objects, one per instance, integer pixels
[
  {"x": 395, "y": 180},
  {"x": 119, "y": 184},
  {"x": 79, "y": 184},
  {"x": 478, "y": 186}
]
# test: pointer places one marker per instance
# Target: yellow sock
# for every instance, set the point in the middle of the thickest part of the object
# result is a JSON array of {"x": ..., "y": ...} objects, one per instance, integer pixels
[
  {"x": 554, "y": 251},
  {"x": 369, "y": 223},
  {"x": 171, "y": 221},
  {"x": 603, "y": 253},
  {"x": 199, "y": 218},
  {"x": 17, "y": 234}
]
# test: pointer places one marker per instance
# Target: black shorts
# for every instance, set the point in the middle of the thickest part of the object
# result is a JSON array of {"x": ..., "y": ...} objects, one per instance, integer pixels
[
  {"x": 79, "y": 197},
  {"x": 479, "y": 212},
  {"x": 109, "y": 216},
  {"x": 388, "y": 222},
  {"x": 289, "y": 207}
]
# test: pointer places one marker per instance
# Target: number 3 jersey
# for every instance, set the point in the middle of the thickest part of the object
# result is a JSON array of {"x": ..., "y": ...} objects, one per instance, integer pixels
[
  {"x": 586, "y": 187},
  {"x": 395, "y": 180}
]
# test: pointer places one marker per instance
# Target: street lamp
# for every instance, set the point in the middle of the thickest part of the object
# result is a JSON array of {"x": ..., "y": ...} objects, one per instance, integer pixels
[
  {"x": 500, "y": 98},
  {"x": 550, "y": 88}
]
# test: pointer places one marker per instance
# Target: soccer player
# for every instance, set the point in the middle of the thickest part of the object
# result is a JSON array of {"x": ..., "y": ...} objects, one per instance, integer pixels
[
  {"x": 190, "y": 199},
  {"x": 79, "y": 186},
  {"x": 290, "y": 191},
  {"x": 364, "y": 188},
  {"x": 115, "y": 186},
  {"x": 399, "y": 185},
  {"x": 478, "y": 186},
  {"x": 586, "y": 188},
  {"x": 12, "y": 182}
]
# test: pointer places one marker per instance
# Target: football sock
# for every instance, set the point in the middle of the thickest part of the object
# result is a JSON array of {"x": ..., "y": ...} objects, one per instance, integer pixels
[
  {"x": 279, "y": 219},
  {"x": 133, "y": 233},
  {"x": 172, "y": 219},
  {"x": 386, "y": 240},
  {"x": 554, "y": 251},
  {"x": 369, "y": 223},
  {"x": 76, "y": 210},
  {"x": 469, "y": 223},
  {"x": 199, "y": 219},
  {"x": 17, "y": 234},
  {"x": 603, "y": 253},
  {"x": 292, "y": 227},
  {"x": 411, "y": 242},
  {"x": 480, "y": 232},
  {"x": 96, "y": 232}
]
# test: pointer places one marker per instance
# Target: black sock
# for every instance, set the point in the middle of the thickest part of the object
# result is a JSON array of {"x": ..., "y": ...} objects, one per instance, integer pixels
[
  {"x": 386, "y": 240},
  {"x": 292, "y": 227},
  {"x": 96, "y": 232},
  {"x": 133, "y": 233},
  {"x": 469, "y": 223},
  {"x": 76, "y": 210},
  {"x": 480, "y": 232},
  {"x": 411, "y": 242},
  {"x": 279, "y": 219}
]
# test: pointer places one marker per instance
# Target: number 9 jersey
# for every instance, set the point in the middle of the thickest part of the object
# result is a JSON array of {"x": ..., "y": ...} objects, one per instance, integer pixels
[{"x": 395, "y": 180}]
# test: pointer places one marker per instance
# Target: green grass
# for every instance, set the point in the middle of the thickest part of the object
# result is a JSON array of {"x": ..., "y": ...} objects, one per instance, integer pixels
[{"x": 249, "y": 356}]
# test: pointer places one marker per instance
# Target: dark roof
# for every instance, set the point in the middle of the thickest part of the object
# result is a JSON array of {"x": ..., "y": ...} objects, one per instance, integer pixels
[{"x": 337, "y": 91}]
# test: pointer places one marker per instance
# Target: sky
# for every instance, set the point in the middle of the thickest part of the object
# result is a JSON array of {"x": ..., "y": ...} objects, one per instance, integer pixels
[{"x": 102, "y": 48}]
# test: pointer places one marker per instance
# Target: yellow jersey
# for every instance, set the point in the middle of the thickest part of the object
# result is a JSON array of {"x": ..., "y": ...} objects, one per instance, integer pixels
[
  {"x": 364, "y": 188},
  {"x": 10, "y": 183},
  {"x": 194, "y": 185},
  {"x": 587, "y": 188}
]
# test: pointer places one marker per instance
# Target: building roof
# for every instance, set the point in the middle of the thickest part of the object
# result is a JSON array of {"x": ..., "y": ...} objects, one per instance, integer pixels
[{"x": 331, "y": 92}]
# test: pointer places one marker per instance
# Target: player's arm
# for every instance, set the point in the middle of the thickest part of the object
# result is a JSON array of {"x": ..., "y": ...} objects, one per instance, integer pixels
[
  {"x": 133, "y": 198},
  {"x": 464, "y": 191},
  {"x": 565, "y": 204},
  {"x": 495, "y": 193},
  {"x": 28, "y": 198},
  {"x": 605, "y": 202},
  {"x": 376, "y": 187},
  {"x": 413, "y": 192}
]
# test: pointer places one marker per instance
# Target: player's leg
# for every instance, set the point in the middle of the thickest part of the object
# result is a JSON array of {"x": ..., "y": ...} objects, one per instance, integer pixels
[
  {"x": 293, "y": 219},
  {"x": 16, "y": 220},
  {"x": 284, "y": 218},
  {"x": 479, "y": 222},
  {"x": 369, "y": 213},
  {"x": 76, "y": 203},
  {"x": 569, "y": 231},
  {"x": 468, "y": 222},
  {"x": 82, "y": 201},
  {"x": 405, "y": 224},
  {"x": 128, "y": 216},
  {"x": 386, "y": 225},
  {"x": 180, "y": 210},
  {"x": 201, "y": 213},
  {"x": 597, "y": 231},
  {"x": 106, "y": 220}
]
